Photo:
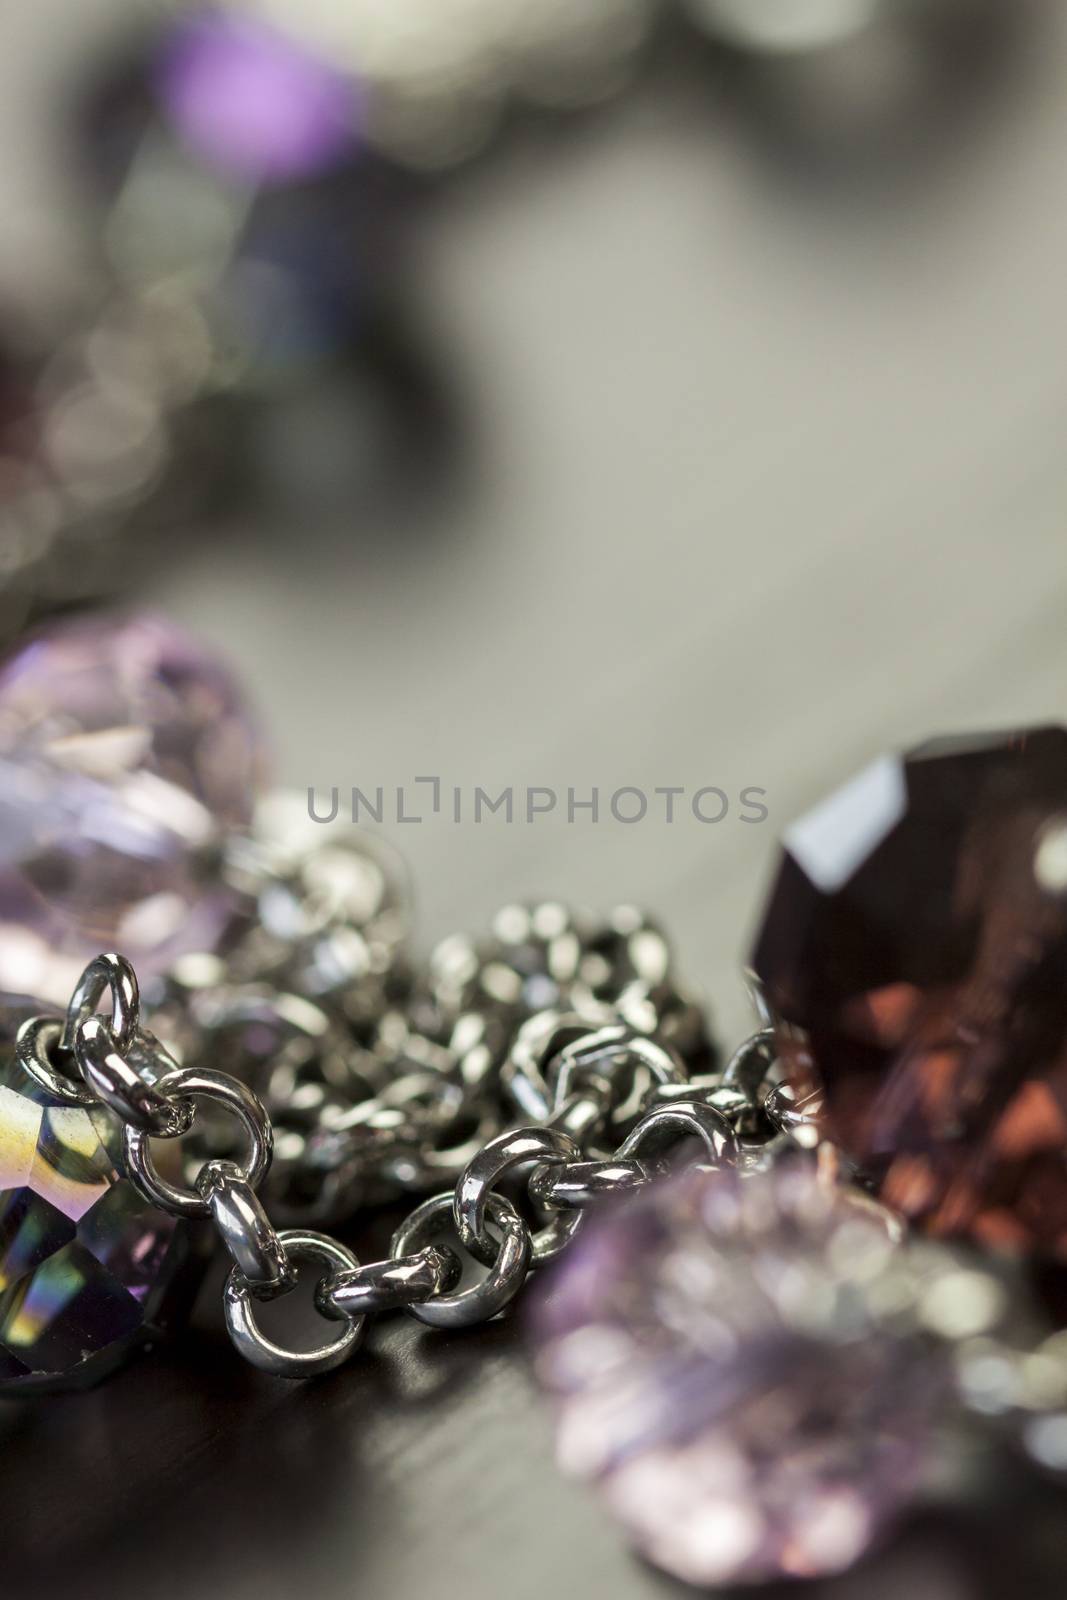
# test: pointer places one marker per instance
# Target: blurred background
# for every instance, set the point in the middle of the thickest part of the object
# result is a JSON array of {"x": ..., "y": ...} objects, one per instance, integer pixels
[
  {"x": 606, "y": 394},
  {"x": 593, "y": 394}
]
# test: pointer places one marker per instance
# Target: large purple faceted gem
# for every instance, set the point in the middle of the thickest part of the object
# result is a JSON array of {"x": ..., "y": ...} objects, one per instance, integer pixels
[
  {"x": 125, "y": 753},
  {"x": 914, "y": 952},
  {"x": 721, "y": 1374},
  {"x": 88, "y": 1270}
]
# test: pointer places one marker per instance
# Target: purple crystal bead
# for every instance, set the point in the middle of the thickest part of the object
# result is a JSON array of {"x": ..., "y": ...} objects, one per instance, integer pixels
[
  {"x": 125, "y": 751},
  {"x": 88, "y": 1270},
  {"x": 912, "y": 952},
  {"x": 254, "y": 104},
  {"x": 722, "y": 1375}
]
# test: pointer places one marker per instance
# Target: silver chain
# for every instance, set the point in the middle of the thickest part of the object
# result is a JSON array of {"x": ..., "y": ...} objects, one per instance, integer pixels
[
  {"x": 518, "y": 1082},
  {"x": 309, "y": 1071}
]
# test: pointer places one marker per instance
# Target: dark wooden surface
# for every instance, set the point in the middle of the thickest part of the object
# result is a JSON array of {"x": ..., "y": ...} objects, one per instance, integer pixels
[
  {"x": 764, "y": 419},
  {"x": 423, "y": 1467}
]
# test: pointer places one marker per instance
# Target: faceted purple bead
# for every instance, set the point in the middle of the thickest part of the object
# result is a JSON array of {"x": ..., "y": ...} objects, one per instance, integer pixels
[
  {"x": 88, "y": 1270},
  {"x": 722, "y": 1376},
  {"x": 125, "y": 752},
  {"x": 913, "y": 952}
]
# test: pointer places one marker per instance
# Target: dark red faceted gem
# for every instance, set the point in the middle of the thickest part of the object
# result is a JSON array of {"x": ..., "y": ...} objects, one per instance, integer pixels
[{"x": 914, "y": 953}]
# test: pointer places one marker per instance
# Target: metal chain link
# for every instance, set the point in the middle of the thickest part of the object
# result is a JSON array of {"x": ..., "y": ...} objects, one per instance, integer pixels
[
  {"x": 525, "y": 1078},
  {"x": 387, "y": 1080}
]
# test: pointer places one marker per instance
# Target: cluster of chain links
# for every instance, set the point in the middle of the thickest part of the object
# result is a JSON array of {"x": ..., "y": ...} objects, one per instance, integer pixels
[
  {"x": 382, "y": 1078},
  {"x": 517, "y": 1082}
]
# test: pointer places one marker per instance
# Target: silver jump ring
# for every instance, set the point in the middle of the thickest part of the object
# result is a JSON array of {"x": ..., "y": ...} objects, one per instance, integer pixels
[
  {"x": 35, "y": 1043},
  {"x": 538, "y": 1043},
  {"x": 245, "y": 1230},
  {"x": 105, "y": 972},
  {"x": 506, "y": 1276},
  {"x": 261, "y": 1352},
  {"x": 187, "y": 1083},
  {"x": 586, "y": 1183},
  {"x": 751, "y": 1061},
  {"x": 551, "y": 1240},
  {"x": 603, "y": 1052},
  {"x": 112, "y": 1074},
  {"x": 507, "y": 1150},
  {"x": 389, "y": 1285},
  {"x": 683, "y": 1119}
]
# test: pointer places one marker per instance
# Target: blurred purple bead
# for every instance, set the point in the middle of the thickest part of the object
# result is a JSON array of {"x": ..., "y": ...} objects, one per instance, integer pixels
[
  {"x": 253, "y": 104},
  {"x": 125, "y": 751},
  {"x": 721, "y": 1374}
]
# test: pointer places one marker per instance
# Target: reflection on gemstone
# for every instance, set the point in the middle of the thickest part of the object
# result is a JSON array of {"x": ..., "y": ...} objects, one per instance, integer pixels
[
  {"x": 914, "y": 955},
  {"x": 88, "y": 1270},
  {"x": 56, "y": 1311},
  {"x": 20, "y": 1125},
  {"x": 30, "y": 1230},
  {"x": 69, "y": 1162}
]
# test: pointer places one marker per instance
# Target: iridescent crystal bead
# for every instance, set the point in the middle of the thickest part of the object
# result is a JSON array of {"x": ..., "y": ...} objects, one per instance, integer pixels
[
  {"x": 724, "y": 1375},
  {"x": 913, "y": 952},
  {"x": 88, "y": 1269},
  {"x": 125, "y": 753}
]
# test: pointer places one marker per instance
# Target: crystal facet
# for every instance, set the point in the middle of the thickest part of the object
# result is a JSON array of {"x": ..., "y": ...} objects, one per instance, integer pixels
[
  {"x": 125, "y": 752},
  {"x": 722, "y": 1374},
  {"x": 88, "y": 1270},
  {"x": 914, "y": 952}
]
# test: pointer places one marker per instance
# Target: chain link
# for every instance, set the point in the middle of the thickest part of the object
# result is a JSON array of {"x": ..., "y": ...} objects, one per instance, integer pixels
[
  {"x": 238, "y": 1308},
  {"x": 246, "y": 1230},
  {"x": 525, "y": 1078},
  {"x": 185, "y": 1084},
  {"x": 389, "y": 1285}
]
